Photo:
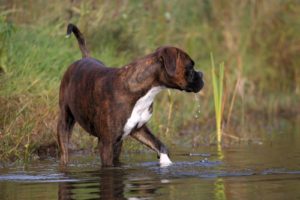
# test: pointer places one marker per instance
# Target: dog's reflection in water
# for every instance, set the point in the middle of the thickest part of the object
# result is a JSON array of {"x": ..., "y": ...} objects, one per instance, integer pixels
[{"x": 109, "y": 184}]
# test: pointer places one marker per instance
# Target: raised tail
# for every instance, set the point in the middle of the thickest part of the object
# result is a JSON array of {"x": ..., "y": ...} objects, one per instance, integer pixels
[{"x": 81, "y": 42}]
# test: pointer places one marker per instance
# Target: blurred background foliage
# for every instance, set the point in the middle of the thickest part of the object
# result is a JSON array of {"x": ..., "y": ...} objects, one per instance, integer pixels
[{"x": 258, "y": 41}]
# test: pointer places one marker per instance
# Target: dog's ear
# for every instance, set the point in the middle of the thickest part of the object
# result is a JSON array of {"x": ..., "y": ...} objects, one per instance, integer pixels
[{"x": 168, "y": 57}]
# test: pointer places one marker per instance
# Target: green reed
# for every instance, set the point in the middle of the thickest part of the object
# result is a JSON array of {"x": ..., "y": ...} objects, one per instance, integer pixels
[{"x": 218, "y": 94}]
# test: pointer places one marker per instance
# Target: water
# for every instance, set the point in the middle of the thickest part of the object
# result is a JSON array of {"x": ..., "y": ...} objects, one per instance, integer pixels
[{"x": 270, "y": 170}]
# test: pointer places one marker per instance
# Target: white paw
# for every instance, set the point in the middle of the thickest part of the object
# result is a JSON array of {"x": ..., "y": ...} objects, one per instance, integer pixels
[{"x": 164, "y": 160}]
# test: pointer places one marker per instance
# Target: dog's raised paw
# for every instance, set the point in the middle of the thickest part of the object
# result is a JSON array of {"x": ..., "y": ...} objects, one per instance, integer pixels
[{"x": 164, "y": 160}]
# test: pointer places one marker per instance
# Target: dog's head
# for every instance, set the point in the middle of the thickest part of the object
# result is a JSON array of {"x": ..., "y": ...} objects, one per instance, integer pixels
[{"x": 178, "y": 70}]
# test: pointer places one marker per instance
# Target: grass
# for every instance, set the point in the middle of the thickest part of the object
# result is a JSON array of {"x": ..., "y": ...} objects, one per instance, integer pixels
[
  {"x": 258, "y": 41},
  {"x": 217, "y": 82}
]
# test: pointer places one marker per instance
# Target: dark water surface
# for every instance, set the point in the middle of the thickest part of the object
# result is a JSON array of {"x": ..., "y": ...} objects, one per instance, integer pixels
[{"x": 270, "y": 170}]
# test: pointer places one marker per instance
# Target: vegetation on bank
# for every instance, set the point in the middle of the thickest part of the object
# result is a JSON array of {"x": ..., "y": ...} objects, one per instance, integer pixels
[{"x": 259, "y": 42}]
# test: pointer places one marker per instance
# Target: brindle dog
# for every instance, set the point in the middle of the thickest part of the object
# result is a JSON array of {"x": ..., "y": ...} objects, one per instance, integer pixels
[{"x": 112, "y": 103}]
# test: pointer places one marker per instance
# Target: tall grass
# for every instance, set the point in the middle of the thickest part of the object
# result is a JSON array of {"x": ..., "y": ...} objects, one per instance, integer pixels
[
  {"x": 6, "y": 30},
  {"x": 258, "y": 40},
  {"x": 217, "y": 82}
]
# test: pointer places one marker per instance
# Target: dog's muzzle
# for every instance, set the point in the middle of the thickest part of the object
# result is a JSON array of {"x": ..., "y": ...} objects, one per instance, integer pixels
[{"x": 195, "y": 82}]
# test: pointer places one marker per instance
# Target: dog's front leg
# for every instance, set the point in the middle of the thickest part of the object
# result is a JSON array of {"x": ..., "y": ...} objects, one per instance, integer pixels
[
  {"x": 117, "y": 151},
  {"x": 145, "y": 136},
  {"x": 106, "y": 153}
]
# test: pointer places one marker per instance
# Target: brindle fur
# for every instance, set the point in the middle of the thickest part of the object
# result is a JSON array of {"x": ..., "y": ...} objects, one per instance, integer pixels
[{"x": 101, "y": 99}]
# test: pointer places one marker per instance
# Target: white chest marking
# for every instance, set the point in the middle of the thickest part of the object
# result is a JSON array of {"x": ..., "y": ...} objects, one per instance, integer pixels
[{"x": 140, "y": 113}]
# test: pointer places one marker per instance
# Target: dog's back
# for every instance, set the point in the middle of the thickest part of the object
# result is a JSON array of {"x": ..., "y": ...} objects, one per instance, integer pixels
[{"x": 82, "y": 77}]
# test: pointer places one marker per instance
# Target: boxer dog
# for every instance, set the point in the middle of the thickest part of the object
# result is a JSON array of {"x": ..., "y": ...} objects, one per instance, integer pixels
[{"x": 113, "y": 103}]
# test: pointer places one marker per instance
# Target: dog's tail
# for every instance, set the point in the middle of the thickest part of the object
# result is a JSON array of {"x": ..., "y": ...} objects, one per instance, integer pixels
[{"x": 81, "y": 42}]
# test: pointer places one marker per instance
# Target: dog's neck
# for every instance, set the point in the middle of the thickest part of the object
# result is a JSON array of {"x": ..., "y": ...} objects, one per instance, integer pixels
[{"x": 143, "y": 75}]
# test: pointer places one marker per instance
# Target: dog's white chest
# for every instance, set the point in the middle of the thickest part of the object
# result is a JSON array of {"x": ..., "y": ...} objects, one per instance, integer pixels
[{"x": 141, "y": 112}]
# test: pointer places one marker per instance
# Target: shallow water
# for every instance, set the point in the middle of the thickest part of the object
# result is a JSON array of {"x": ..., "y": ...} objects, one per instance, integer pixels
[{"x": 253, "y": 171}]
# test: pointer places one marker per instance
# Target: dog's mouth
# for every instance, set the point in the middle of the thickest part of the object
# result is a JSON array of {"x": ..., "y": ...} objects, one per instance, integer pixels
[
  {"x": 195, "y": 89},
  {"x": 196, "y": 84}
]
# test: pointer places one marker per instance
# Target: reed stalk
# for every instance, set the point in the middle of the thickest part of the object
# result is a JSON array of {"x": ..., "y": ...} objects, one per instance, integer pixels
[
  {"x": 218, "y": 95},
  {"x": 169, "y": 112}
]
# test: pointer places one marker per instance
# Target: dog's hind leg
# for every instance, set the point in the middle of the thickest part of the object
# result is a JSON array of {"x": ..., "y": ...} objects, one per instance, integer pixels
[{"x": 64, "y": 130}]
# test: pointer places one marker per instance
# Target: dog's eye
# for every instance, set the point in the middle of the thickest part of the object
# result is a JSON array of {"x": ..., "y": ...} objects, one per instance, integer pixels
[{"x": 190, "y": 65}]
